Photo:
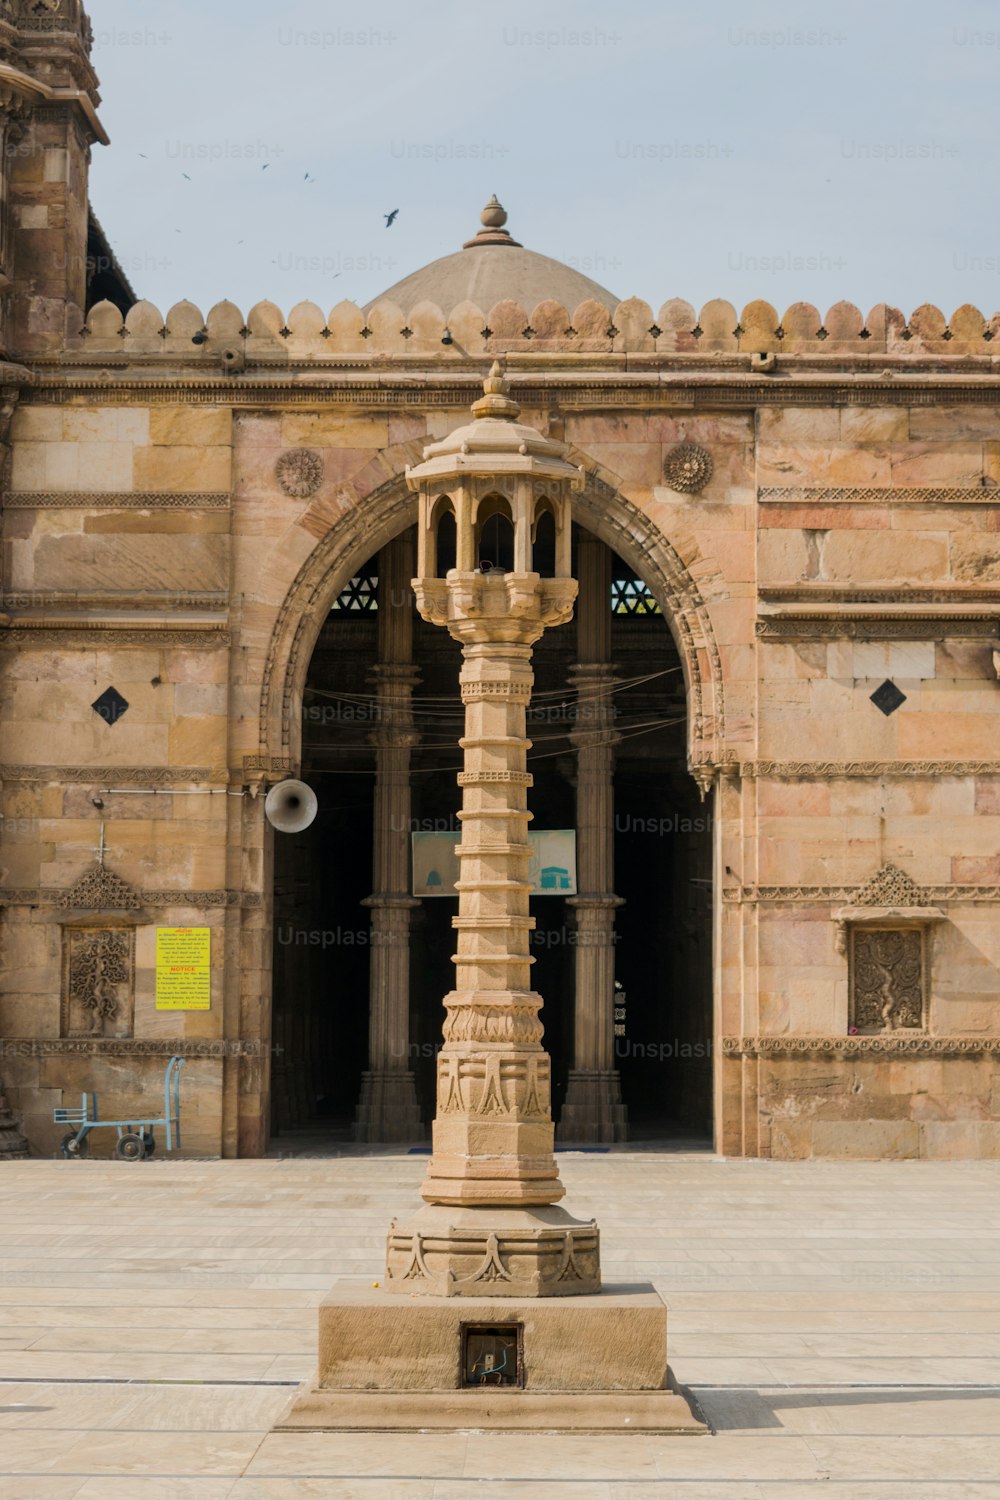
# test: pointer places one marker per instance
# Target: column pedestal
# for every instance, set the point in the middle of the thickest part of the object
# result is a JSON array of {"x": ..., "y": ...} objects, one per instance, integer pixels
[
  {"x": 593, "y": 1112},
  {"x": 595, "y": 1364}
]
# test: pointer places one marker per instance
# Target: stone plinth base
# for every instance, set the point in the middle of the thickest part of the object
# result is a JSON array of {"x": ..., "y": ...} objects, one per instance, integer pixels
[
  {"x": 493, "y": 1252},
  {"x": 593, "y": 1112},
  {"x": 387, "y": 1109},
  {"x": 666, "y": 1412},
  {"x": 594, "y": 1364}
]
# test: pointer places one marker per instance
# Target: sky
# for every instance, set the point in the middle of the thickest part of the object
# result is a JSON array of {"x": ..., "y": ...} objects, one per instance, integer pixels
[{"x": 795, "y": 151}]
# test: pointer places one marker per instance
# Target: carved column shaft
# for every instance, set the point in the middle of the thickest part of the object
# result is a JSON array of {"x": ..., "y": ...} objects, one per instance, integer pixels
[
  {"x": 387, "y": 1109},
  {"x": 493, "y": 1137}
]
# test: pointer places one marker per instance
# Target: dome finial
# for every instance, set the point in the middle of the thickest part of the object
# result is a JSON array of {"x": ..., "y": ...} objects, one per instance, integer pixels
[
  {"x": 492, "y": 218},
  {"x": 494, "y": 215},
  {"x": 496, "y": 400}
]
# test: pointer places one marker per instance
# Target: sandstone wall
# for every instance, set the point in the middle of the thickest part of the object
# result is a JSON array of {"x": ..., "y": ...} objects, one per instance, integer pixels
[{"x": 149, "y": 546}]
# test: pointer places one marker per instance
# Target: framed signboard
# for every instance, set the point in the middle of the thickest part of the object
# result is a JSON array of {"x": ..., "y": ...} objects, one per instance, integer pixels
[
  {"x": 551, "y": 870},
  {"x": 183, "y": 968}
]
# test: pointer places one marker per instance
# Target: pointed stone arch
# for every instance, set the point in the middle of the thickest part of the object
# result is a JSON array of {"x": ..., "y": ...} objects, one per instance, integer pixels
[{"x": 601, "y": 508}]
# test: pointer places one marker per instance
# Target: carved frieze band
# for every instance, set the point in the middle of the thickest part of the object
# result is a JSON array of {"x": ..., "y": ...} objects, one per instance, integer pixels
[
  {"x": 131, "y": 1047},
  {"x": 494, "y": 1085},
  {"x": 209, "y": 637},
  {"x": 817, "y": 895},
  {"x": 152, "y": 776},
  {"x": 162, "y": 599},
  {"x": 59, "y": 896},
  {"x": 877, "y": 495},
  {"x": 110, "y": 500},
  {"x": 824, "y": 770},
  {"x": 861, "y": 1046},
  {"x": 516, "y": 690},
  {"x": 517, "y": 1024},
  {"x": 874, "y": 627},
  {"x": 197, "y": 390},
  {"x": 502, "y": 1262},
  {"x": 505, "y": 778}
]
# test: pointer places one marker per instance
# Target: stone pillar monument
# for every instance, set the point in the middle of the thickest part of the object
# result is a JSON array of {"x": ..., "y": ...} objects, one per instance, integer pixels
[
  {"x": 491, "y": 1313},
  {"x": 387, "y": 1108},
  {"x": 492, "y": 1181},
  {"x": 593, "y": 1110}
]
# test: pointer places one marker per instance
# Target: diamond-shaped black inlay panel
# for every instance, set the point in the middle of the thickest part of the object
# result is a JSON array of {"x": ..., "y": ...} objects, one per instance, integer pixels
[
  {"x": 110, "y": 705},
  {"x": 888, "y": 698}
]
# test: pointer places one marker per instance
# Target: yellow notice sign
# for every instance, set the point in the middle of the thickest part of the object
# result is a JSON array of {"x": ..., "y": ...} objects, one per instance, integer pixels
[{"x": 183, "y": 968}]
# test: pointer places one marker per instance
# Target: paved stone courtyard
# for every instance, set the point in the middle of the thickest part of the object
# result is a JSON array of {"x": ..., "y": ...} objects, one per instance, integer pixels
[{"x": 838, "y": 1321}]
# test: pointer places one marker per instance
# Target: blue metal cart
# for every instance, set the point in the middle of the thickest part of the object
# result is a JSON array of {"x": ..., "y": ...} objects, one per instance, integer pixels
[{"x": 135, "y": 1140}]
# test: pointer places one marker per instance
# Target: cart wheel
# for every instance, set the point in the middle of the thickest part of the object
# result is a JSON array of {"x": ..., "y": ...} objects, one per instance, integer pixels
[
  {"x": 129, "y": 1147},
  {"x": 73, "y": 1149},
  {"x": 149, "y": 1144}
]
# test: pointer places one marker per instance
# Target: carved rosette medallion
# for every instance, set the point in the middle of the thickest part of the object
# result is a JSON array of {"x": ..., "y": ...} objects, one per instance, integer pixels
[
  {"x": 299, "y": 472},
  {"x": 688, "y": 468}
]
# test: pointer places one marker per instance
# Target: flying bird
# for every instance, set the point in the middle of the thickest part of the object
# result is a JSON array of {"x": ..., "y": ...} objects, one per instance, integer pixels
[
  {"x": 185, "y": 175},
  {"x": 144, "y": 156},
  {"x": 390, "y": 217},
  {"x": 265, "y": 166}
]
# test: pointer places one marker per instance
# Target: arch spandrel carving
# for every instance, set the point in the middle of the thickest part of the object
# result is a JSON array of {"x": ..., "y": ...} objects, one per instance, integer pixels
[{"x": 601, "y": 508}]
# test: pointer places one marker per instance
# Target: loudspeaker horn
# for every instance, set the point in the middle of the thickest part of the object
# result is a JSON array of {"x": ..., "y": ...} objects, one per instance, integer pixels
[{"x": 291, "y": 806}]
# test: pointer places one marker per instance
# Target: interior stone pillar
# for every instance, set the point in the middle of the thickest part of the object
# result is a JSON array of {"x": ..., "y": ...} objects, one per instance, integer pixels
[
  {"x": 593, "y": 1110},
  {"x": 387, "y": 1109}
]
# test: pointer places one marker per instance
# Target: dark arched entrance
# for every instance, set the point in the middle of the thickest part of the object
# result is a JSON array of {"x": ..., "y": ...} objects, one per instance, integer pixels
[{"x": 322, "y": 946}]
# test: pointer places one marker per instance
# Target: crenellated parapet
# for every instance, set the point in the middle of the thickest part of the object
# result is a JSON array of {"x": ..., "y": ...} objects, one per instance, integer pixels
[{"x": 385, "y": 330}]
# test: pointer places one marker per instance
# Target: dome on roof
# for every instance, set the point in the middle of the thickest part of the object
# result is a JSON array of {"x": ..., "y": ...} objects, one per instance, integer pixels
[{"x": 492, "y": 267}]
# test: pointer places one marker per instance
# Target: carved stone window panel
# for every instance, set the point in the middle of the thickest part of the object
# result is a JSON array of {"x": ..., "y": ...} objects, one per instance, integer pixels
[
  {"x": 98, "y": 983},
  {"x": 885, "y": 934},
  {"x": 889, "y": 977}
]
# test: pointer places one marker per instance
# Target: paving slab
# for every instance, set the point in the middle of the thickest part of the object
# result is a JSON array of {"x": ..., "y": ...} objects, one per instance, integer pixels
[{"x": 839, "y": 1324}]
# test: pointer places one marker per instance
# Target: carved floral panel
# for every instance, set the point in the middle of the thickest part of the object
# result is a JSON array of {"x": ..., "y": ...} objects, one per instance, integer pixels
[
  {"x": 98, "y": 996},
  {"x": 888, "y": 978}
]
